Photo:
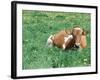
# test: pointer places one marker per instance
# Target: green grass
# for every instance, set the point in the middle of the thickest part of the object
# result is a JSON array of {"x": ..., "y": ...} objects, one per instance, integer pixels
[{"x": 38, "y": 26}]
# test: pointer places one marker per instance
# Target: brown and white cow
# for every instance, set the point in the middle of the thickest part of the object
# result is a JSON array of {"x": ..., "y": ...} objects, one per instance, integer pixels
[{"x": 68, "y": 38}]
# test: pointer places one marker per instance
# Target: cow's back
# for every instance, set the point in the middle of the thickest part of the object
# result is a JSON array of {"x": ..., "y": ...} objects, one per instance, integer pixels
[{"x": 59, "y": 38}]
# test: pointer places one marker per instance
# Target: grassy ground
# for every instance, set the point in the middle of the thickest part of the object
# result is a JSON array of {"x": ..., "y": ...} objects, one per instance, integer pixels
[{"x": 38, "y": 26}]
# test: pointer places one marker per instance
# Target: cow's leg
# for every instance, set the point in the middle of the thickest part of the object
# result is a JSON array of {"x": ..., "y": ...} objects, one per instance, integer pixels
[
  {"x": 50, "y": 41},
  {"x": 64, "y": 46},
  {"x": 66, "y": 40}
]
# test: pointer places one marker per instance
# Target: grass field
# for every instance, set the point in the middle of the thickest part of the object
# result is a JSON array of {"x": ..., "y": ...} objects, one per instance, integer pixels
[{"x": 38, "y": 26}]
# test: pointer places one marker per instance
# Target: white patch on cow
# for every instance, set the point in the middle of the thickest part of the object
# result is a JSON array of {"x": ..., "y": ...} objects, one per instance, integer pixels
[
  {"x": 70, "y": 36},
  {"x": 67, "y": 38},
  {"x": 50, "y": 41},
  {"x": 78, "y": 44},
  {"x": 64, "y": 46},
  {"x": 50, "y": 36},
  {"x": 77, "y": 28}
]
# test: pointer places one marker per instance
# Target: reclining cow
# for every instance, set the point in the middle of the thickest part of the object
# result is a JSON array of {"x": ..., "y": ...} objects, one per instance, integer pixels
[{"x": 66, "y": 39}]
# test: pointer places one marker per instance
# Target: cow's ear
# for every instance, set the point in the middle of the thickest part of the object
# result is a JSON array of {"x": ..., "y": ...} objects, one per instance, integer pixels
[{"x": 85, "y": 32}]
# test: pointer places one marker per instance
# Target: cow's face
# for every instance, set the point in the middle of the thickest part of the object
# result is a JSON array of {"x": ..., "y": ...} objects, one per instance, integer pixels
[{"x": 77, "y": 33}]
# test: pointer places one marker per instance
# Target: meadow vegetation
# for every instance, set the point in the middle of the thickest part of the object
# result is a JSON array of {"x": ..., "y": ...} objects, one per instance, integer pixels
[{"x": 37, "y": 26}]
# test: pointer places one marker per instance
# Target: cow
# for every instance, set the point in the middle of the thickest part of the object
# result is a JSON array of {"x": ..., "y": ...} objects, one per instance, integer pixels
[{"x": 66, "y": 39}]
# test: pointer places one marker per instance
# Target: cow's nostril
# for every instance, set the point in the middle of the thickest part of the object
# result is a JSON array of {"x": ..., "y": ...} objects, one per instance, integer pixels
[{"x": 77, "y": 46}]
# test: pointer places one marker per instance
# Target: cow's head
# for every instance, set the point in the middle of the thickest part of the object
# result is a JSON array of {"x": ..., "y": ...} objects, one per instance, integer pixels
[{"x": 77, "y": 32}]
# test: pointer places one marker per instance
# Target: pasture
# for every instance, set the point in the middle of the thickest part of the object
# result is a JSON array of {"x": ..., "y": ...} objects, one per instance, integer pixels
[{"x": 37, "y": 26}]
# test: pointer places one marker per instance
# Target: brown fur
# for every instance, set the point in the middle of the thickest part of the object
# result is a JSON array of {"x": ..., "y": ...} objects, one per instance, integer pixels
[
  {"x": 79, "y": 36},
  {"x": 83, "y": 40},
  {"x": 70, "y": 43},
  {"x": 59, "y": 38}
]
